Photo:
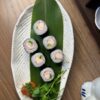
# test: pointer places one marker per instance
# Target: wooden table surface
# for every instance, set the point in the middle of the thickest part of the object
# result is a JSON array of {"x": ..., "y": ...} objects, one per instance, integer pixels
[
  {"x": 86, "y": 64},
  {"x": 89, "y": 16}
]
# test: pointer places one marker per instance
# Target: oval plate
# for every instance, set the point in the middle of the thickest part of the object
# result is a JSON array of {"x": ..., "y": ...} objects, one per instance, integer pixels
[{"x": 20, "y": 59}]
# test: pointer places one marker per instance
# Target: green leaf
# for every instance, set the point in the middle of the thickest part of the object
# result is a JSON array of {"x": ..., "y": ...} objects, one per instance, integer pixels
[
  {"x": 53, "y": 90},
  {"x": 46, "y": 87},
  {"x": 44, "y": 98},
  {"x": 47, "y": 91},
  {"x": 49, "y": 11},
  {"x": 36, "y": 92},
  {"x": 29, "y": 88}
]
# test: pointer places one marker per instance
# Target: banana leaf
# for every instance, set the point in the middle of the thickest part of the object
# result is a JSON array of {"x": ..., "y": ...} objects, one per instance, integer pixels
[{"x": 49, "y": 11}]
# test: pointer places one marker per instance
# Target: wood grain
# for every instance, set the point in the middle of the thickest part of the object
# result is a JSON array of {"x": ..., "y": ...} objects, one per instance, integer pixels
[
  {"x": 86, "y": 64},
  {"x": 89, "y": 16}
]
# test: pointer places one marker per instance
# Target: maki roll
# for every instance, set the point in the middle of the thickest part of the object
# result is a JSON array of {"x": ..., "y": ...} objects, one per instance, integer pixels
[
  {"x": 49, "y": 42},
  {"x": 57, "y": 56},
  {"x": 40, "y": 27},
  {"x": 38, "y": 59},
  {"x": 47, "y": 74},
  {"x": 30, "y": 45}
]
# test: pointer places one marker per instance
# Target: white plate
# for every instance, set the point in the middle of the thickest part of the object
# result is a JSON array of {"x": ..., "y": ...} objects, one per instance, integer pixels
[{"x": 20, "y": 59}]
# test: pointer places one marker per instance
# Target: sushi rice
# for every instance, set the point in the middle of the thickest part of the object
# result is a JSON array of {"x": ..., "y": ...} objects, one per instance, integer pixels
[
  {"x": 38, "y": 59},
  {"x": 30, "y": 45},
  {"x": 40, "y": 27},
  {"x": 49, "y": 42},
  {"x": 47, "y": 74},
  {"x": 57, "y": 56}
]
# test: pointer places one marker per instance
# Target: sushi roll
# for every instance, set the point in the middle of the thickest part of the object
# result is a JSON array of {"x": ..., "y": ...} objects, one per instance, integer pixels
[
  {"x": 38, "y": 59},
  {"x": 47, "y": 74},
  {"x": 57, "y": 56},
  {"x": 49, "y": 42},
  {"x": 30, "y": 45},
  {"x": 40, "y": 27}
]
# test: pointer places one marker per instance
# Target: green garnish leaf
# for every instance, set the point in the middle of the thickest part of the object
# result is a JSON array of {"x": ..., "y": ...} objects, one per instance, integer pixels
[
  {"x": 36, "y": 92},
  {"x": 47, "y": 91},
  {"x": 44, "y": 98},
  {"x": 45, "y": 87},
  {"x": 29, "y": 88}
]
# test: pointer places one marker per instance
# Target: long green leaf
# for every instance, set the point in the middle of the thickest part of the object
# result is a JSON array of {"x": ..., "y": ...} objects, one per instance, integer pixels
[{"x": 49, "y": 11}]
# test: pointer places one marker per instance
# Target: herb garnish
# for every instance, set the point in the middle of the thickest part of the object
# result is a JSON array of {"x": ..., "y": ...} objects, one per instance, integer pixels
[{"x": 47, "y": 91}]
